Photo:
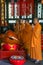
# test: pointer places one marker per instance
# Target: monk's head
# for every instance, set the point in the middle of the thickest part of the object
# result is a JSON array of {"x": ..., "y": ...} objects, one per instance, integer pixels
[{"x": 35, "y": 20}]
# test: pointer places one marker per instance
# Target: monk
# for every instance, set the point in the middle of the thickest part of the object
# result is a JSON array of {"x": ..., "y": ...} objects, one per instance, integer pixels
[
  {"x": 36, "y": 53},
  {"x": 26, "y": 35},
  {"x": 21, "y": 28}
]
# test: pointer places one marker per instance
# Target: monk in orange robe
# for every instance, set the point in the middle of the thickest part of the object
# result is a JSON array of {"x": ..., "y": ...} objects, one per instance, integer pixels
[
  {"x": 36, "y": 41},
  {"x": 16, "y": 28},
  {"x": 21, "y": 28},
  {"x": 26, "y": 36}
]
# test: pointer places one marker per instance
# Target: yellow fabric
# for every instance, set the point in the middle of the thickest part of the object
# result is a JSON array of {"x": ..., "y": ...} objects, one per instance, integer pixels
[
  {"x": 26, "y": 37},
  {"x": 21, "y": 26},
  {"x": 35, "y": 51}
]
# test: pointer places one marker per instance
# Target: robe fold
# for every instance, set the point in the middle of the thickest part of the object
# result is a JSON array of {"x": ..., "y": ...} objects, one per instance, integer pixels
[
  {"x": 26, "y": 37},
  {"x": 35, "y": 51},
  {"x": 21, "y": 26},
  {"x": 28, "y": 34}
]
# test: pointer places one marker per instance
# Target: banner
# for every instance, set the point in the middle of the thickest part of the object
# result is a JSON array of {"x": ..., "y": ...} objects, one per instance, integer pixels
[
  {"x": 22, "y": 8},
  {"x": 26, "y": 7},
  {"x": 12, "y": 7}
]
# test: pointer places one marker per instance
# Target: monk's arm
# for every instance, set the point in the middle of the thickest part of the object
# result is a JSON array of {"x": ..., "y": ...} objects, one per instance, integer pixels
[{"x": 37, "y": 32}]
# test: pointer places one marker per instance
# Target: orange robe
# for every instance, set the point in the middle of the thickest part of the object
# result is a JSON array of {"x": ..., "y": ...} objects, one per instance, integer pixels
[
  {"x": 36, "y": 43},
  {"x": 26, "y": 37},
  {"x": 21, "y": 26},
  {"x": 28, "y": 30}
]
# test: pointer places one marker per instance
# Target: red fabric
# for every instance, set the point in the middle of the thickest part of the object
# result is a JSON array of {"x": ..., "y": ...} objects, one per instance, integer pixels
[
  {"x": 12, "y": 9},
  {"x": 8, "y": 47},
  {"x": 42, "y": 47},
  {"x": 22, "y": 8},
  {"x": 26, "y": 7},
  {"x": 42, "y": 41},
  {"x": 7, "y": 54}
]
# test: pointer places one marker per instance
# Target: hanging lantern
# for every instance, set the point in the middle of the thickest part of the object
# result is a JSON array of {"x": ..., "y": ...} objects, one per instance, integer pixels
[{"x": 42, "y": 1}]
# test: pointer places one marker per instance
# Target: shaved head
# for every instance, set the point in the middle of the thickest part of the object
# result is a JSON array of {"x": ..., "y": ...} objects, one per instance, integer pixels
[{"x": 35, "y": 20}]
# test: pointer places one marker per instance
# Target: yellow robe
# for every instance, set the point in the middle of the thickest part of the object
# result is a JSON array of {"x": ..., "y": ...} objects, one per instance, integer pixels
[
  {"x": 26, "y": 37},
  {"x": 36, "y": 43},
  {"x": 21, "y": 26}
]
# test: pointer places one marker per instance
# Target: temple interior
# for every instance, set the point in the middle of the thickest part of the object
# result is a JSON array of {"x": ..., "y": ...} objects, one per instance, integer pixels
[{"x": 12, "y": 12}]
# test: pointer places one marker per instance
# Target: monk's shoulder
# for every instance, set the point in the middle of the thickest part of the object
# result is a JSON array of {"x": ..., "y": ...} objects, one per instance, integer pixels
[{"x": 39, "y": 25}]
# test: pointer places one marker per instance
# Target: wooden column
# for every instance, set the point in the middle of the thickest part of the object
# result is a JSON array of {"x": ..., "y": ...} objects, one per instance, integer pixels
[{"x": 2, "y": 12}]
